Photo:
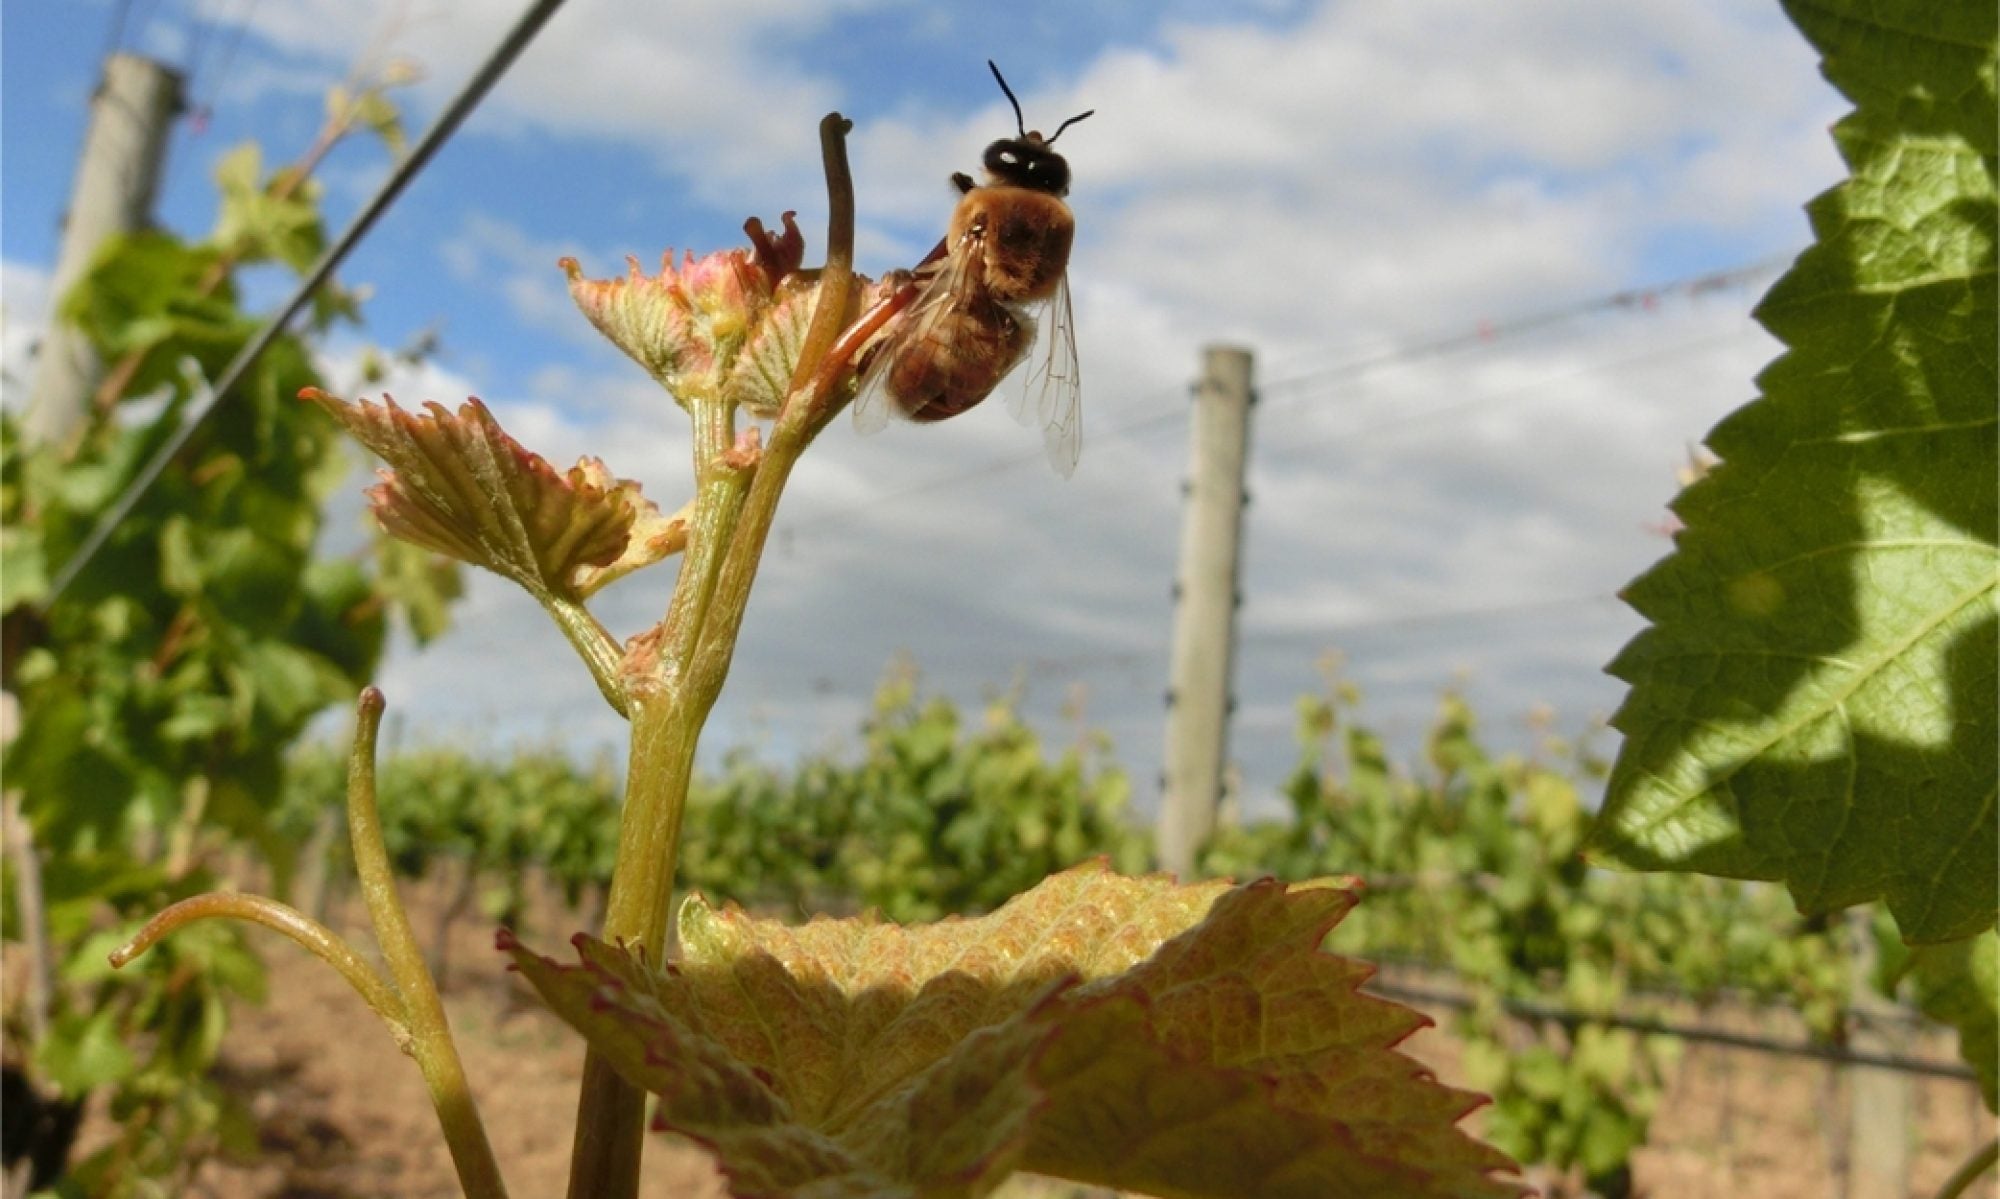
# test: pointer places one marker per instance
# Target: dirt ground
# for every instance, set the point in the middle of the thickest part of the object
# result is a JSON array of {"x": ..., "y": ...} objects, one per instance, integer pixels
[{"x": 343, "y": 1115}]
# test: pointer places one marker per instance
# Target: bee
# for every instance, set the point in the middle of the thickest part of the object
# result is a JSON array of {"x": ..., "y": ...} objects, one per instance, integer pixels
[{"x": 1001, "y": 270}]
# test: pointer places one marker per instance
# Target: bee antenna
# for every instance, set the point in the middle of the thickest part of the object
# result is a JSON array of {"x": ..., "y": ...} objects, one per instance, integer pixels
[
  {"x": 1020, "y": 122},
  {"x": 1066, "y": 124}
]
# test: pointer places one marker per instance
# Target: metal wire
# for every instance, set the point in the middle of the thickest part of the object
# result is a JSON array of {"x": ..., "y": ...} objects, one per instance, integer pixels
[{"x": 1527, "y": 1009}]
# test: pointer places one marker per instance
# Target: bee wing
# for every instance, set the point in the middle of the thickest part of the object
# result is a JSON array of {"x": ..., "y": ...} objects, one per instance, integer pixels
[
  {"x": 915, "y": 325},
  {"x": 1053, "y": 398}
]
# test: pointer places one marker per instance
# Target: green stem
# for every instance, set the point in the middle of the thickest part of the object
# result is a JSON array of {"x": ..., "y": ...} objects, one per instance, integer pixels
[
  {"x": 610, "y": 1121},
  {"x": 1970, "y": 1171},
  {"x": 734, "y": 507},
  {"x": 807, "y": 410},
  {"x": 720, "y": 504},
  {"x": 315, "y": 938},
  {"x": 594, "y": 643},
  {"x": 717, "y": 648},
  {"x": 658, "y": 770},
  {"x": 718, "y": 498},
  {"x": 430, "y": 1033},
  {"x": 610, "y": 1118}
]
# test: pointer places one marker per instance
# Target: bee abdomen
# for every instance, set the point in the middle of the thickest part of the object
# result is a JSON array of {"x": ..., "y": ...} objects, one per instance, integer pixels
[{"x": 971, "y": 350}]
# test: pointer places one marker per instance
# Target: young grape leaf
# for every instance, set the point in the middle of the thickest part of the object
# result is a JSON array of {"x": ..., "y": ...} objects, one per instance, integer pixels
[
  {"x": 1815, "y": 700},
  {"x": 463, "y": 487},
  {"x": 1189, "y": 1041},
  {"x": 762, "y": 375},
  {"x": 260, "y": 221}
]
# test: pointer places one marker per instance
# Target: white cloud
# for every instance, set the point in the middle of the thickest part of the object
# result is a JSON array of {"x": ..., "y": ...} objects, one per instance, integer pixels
[
  {"x": 24, "y": 316},
  {"x": 698, "y": 84},
  {"x": 494, "y": 255}
]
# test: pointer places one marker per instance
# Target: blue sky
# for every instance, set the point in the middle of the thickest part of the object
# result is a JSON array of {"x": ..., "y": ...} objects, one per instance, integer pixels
[{"x": 1320, "y": 181}]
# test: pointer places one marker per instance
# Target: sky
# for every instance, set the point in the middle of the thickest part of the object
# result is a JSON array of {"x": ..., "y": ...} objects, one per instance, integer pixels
[{"x": 1495, "y": 261}]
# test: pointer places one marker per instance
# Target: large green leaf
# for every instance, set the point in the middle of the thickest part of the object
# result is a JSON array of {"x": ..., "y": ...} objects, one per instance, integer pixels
[{"x": 1815, "y": 699}]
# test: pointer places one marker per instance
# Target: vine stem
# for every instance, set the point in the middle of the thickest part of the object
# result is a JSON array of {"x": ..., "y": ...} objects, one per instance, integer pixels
[
  {"x": 600, "y": 651},
  {"x": 610, "y": 1113},
  {"x": 671, "y": 694},
  {"x": 309, "y": 934},
  {"x": 430, "y": 1034},
  {"x": 409, "y": 1005},
  {"x": 1970, "y": 1171}
]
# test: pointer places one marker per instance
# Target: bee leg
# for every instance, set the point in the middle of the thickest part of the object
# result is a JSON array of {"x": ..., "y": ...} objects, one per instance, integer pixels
[{"x": 962, "y": 181}]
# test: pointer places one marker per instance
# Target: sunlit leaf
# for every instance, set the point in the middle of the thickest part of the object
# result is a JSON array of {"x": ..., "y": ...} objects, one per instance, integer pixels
[
  {"x": 1133, "y": 1032},
  {"x": 727, "y": 325},
  {"x": 1815, "y": 700}
]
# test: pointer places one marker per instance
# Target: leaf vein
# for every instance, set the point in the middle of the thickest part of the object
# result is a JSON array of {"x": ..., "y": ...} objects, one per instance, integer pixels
[{"x": 1863, "y": 672}]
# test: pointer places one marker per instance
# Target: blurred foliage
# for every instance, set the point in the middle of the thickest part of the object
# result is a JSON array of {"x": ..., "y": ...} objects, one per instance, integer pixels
[
  {"x": 498, "y": 820},
  {"x": 1473, "y": 866},
  {"x": 935, "y": 819},
  {"x": 159, "y": 695}
]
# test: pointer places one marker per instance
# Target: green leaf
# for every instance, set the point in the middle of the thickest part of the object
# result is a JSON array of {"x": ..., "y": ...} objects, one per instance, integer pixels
[
  {"x": 1609, "y": 1137},
  {"x": 1815, "y": 700},
  {"x": 256, "y": 223},
  {"x": 375, "y": 110},
  {"x": 70, "y": 780},
  {"x": 340, "y": 615},
  {"x": 198, "y": 717},
  {"x": 291, "y": 684},
  {"x": 421, "y": 584},
  {"x": 180, "y": 566},
  {"x": 1183, "y": 1040},
  {"x": 251, "y": 579},
  {"x": 24, "y": 565},
  {"x": 143, "y": 292},
  {"x": 83, "y": 1051}
]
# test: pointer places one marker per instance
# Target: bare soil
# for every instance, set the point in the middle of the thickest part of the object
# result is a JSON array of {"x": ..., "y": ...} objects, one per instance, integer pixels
[{"x": 341, "y": 1114}]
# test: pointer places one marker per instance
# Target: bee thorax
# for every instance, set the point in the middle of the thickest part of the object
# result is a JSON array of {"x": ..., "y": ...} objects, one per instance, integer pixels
[{"x": 1021, "y": 239}]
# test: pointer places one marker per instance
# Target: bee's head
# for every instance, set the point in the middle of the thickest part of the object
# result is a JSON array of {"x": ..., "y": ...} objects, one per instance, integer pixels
[{"x": 1027, "y": 161}]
